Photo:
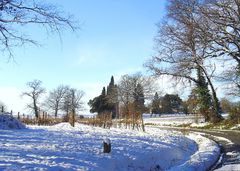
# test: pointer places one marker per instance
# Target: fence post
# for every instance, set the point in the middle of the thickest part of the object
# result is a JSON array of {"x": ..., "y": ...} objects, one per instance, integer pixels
[
  {"x": 106, "y": 145},
  {"x": 18, "y": 115}
]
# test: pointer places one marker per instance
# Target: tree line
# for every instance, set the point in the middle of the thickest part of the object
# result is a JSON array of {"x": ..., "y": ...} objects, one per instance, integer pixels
[
  {"x": 124, "y": 101},
  {"x": 63, "y": 100},
  {"x": 167, "y": 104}
]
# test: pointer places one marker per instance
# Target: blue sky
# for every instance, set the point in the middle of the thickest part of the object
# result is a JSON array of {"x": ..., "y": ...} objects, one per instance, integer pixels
[{"x": 115, "y": 38}]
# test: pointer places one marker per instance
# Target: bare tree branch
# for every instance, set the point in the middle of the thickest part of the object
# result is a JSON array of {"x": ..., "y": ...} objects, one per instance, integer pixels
[{"x": 17, "y": 14}]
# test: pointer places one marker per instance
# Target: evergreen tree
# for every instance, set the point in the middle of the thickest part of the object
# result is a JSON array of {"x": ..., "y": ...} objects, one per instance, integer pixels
[
  {"x": 112, "y": 98},
  {"x": 103, "y": 92},
  {"x": 99, "y": 103},
  {"x": 156, "y": 104},
  {"x": 107, "y": 101},
  {"x": 204, "y": 98},
  {"x": 171, "y": 103},
  {"x": 94, "y": 104},
  {"x": 166, "y": 104}
]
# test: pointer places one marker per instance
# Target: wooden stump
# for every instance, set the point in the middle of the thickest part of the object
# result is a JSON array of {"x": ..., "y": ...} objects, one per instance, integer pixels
[{"x": 106, "y": 146}]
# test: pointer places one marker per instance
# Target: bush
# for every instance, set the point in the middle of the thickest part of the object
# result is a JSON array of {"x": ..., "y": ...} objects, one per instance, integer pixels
[{"x": 234, "y": 114}]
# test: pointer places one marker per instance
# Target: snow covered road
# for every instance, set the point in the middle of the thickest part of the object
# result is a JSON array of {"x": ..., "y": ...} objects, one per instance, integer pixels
[{"x": 62, "y": 147}]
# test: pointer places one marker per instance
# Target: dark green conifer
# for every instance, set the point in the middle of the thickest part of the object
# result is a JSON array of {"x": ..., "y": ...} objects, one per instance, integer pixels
[
  {"x": 204, "y": 98},
  {"x": 156, "y": 104}
]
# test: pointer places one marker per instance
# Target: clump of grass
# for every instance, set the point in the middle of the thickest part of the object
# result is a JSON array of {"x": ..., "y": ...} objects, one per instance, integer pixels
[
  {"x": 150, "y": 124},
  {"x": 224, "y": 124},
  {"x": 185, "y": 125}
]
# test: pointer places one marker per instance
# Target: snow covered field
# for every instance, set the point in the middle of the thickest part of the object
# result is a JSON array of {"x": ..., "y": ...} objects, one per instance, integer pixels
[
  {"x": 174, "y": 120},
  {"x": 62, "y": 147}
]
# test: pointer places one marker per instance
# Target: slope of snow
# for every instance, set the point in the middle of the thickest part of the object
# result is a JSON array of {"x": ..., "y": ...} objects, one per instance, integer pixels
[
  {"x": 204, "y": 158},
  {"x": 236, "y": 127},
  {"x": 232, "y": 167},
  {"x": 62, "y": 147},
  {"x": 7, "y": 121},
  {"x": 224, "y": 139}
]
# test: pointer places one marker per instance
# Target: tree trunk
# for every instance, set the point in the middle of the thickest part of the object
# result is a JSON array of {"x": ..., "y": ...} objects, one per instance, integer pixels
[
  {"x": 73, "y": 118},
  {"x": 56, "y": 112},
  {"x": 142, "y": 122},
  {"x": 216, "y": 105},
  {"x": 35, "y": 108}
]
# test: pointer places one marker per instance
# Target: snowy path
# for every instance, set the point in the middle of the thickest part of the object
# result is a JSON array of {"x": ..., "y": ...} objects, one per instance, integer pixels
[
  {"x": 64, "y": 148},
  {"x": 228, "y": 139},
  {"x": 230, "y": 142}
]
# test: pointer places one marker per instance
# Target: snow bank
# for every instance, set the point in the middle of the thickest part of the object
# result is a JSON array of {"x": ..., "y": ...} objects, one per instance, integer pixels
[
  {"x": 199, "y": 125},
  {"x": 224, "y": 139},
  {"x": 204, "y": 158},
  {"x": 7, "y": 121},
  {"x": 237, "y": 127},
  {"x": 232, "y": 167}
]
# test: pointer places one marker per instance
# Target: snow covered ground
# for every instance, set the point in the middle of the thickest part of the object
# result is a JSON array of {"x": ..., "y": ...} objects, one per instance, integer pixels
[
  {"x": 174, "y": 120},
  {"x": 234, "y": 155},
  {"x": 7, "y": 121},
  {"x": 206, "y": 155},
  {"x": 232, "y": 167},
  {"x": 62, "y": 147}
]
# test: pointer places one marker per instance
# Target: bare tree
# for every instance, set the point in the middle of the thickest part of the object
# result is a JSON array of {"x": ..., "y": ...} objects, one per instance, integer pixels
[
  {"x": 224, "y": 31},
  {"x": 133, "y": 88},
  {"x": 19, "y": 14},
  {"x": 182, "y": 51},
  {"x": 73, "y": 103},
  {"x": 34, "y": 93},
  {"x": 222, "y": 27},
  {"x": 55, "y": 99}
]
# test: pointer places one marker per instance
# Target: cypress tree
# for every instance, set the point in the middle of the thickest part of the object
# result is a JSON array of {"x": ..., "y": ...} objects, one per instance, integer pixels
[
  {"x": 156, "y": 104},
  {"x": 103, "y": 92},
  {"x": 107, "y": 101},
  {"x": 99, "y": 103},
  {"x": 112, "y": 98},
  {"x": 103, "y": 107},
  {"x": 204, "y": 98}
]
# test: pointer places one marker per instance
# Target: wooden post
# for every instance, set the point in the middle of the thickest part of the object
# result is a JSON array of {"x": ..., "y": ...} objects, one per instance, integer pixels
[
  {"x": 2, "y": 109},
  {"x": 11, "y": 112},
  {"x": 72, "y": 120},
  {"x": 18, "y": 115},
  {"x": 106, "y": 145}
]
